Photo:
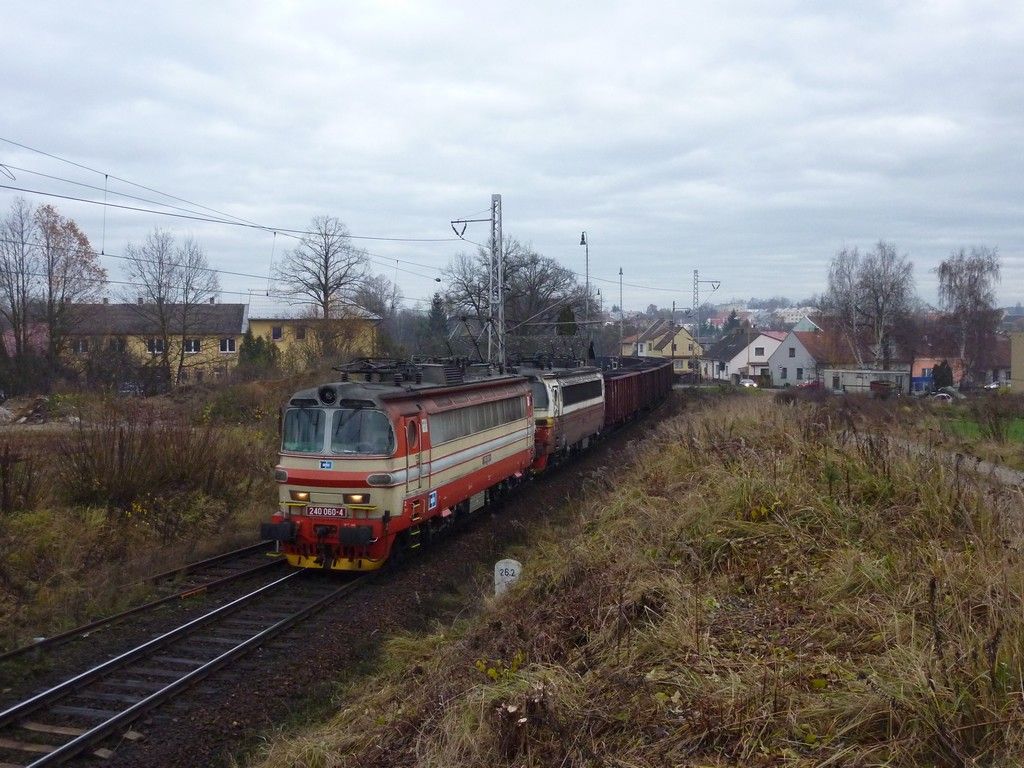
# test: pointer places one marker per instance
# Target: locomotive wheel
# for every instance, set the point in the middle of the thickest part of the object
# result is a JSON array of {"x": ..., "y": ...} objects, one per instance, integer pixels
[{"x": 399, "y": 552}]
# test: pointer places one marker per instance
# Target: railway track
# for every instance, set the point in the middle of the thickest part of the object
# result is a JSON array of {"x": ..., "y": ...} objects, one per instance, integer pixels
[
  {"x": 76, "y": 715},
  {"x": 177, "y": 584}
]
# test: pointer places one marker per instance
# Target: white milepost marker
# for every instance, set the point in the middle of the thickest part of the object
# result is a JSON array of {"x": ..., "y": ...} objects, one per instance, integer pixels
[{"x": 506, "y": 572}]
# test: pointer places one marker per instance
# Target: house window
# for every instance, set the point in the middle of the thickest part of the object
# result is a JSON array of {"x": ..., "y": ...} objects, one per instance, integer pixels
[
  {"x": 799, "y": 374},
  {"x": 300, "y": 332},
  {"x": 926, "y": 372},
  {"x": 117, "y": 345},
  {"x": 80, "y": 346},
  {"x": 275, "y": 333},
  {"x": 155, "y": 346},
  {"x": 689, "y": 347},
  {"x": 227, "y": 345},
  {"x": 191, "y": 346},
  {"x": 792, "y": 351},
  {"x": 758, "y": 351},
  {"x": 835, "y": 382},
  {"x": 783, "y": 374}
]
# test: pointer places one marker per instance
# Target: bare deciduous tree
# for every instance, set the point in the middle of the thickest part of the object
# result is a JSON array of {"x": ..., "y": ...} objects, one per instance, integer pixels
[
  {"x": 71, "y": 274},
  {"x": 197, "y": 284},
  {"x": 20, "y": 271},
  {"x": 172, "y": 283},
  {"x": 967, "y": 295},
  {"x": 886, "y": 288},
  {"x": 536, "y": 289},
  {"x": 325, "y": 268},
  {"x": 868, "y": 295},
  {"x": 382, "y": 298}
]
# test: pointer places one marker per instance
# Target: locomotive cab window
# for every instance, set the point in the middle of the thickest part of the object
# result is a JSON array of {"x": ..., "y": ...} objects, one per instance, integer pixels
[
  {"x": 303, "y": 430},
  {"x": 363, "y": 431},
  {"x": 540, "y": 395}
]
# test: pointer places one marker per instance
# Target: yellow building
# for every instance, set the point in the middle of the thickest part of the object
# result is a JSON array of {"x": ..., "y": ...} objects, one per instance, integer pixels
[
  {"x": 666, "y": 340},
  {"x": 116, "y": 343},
  {"x": 296, "y": 338},
  {"x": 129, "y": 341}
]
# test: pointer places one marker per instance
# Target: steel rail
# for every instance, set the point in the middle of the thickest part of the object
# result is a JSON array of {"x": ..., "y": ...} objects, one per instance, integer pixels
[
  {"x": 43, "y": 698},
  {"x": 104, "y": 729},
  {"x": 189, "y": 567},
  {"x": 84, "y": 628}
]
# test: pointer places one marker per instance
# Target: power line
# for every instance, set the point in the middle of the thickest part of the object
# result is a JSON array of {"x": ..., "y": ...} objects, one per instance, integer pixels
[
  {"x": 210, "y": 220},
  {"x": 241, "y": 222}
]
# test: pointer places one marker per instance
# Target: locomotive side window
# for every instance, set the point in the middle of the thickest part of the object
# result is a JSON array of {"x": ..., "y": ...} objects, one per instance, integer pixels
[
  {"x": 476, "y": 418},
  {"x": 540, "y": 395},
  {"x": 361, "y": 430},
  {"x": 412, "y": 436},
  {"x": 577, "y": 393},
  {"x": 303, "y": 430}
]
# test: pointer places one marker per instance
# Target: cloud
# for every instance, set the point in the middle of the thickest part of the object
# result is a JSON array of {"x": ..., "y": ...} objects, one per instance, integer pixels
[{"x": 746, "y": 139}]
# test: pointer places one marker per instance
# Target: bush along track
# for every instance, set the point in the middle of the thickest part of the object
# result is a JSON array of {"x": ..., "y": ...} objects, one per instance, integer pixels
[{"x": 755, "y": 585}]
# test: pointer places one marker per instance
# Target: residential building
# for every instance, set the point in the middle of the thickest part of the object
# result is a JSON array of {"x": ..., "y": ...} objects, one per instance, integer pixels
[
  {"x": 742, "y": 354},
  {"x": 200, "y": 341},
  {"x": 666, "y": 340},
  {"x": 355, "y": 335}
]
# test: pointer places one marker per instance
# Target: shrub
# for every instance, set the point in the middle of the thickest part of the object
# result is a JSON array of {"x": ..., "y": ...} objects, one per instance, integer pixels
[
  {"x": 995, "y": 415},
  {"x": 164, "y": 474}
]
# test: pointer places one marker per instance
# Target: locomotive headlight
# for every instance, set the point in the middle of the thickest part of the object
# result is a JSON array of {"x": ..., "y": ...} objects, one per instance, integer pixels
[
  {"x": 381, "y": 478},
  {"x": 356, "y": 498},
  {"x": 299, "y": 495},
  {"x": 281, "y": 475}
]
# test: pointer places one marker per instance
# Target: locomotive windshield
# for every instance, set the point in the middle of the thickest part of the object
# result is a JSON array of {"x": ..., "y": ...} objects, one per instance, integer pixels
[
  {"x": 361, "y": 430},
  {"x": 352, "y": 431}
]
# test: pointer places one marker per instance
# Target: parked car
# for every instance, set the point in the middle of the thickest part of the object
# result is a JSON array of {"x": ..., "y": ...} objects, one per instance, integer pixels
[
  {"x": 811, "y": 384},
  {"x": 953, "y": 392},
  {"x": 748, "y": 383},
  {"x": 942, "y": 397}
]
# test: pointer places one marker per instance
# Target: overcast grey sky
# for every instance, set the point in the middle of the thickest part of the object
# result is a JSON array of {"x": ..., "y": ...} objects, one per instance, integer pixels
[{"x": 745, "y": 142}]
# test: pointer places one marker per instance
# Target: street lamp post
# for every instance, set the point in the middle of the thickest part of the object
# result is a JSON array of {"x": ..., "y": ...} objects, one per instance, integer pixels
[
  {"x": 586, "y": 298},
  {"x": 622, "y": 312}
]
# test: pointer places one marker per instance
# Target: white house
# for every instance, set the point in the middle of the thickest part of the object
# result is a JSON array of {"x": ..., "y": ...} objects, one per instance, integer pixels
[
  {"x": 743, "y": 354},
  {"x": 796, "y": 359}
]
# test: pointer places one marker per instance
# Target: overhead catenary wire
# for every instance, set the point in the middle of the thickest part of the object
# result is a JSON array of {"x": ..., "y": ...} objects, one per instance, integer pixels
[
  {"x": 215, "y": 270},
  {"x": 233, "y": 220},
  {"x": 211, "y": 220}
]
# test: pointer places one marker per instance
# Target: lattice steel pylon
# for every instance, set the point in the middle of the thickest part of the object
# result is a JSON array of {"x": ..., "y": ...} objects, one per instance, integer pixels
[{"x": 496, "y": 286}]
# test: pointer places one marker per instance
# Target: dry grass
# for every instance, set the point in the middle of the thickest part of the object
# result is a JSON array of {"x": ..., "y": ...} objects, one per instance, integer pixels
[
  {"x": 757, "y": 585},
  {"x": 133, "y": 488}
]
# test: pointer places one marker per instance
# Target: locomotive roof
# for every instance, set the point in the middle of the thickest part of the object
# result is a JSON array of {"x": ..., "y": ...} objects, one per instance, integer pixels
[
  {"x": 558, "y": 373},
  {"x": 379, "y": 391}
]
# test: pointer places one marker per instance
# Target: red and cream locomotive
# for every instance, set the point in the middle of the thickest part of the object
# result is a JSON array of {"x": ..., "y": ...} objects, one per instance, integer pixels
[{"x": 381, "y": 460}]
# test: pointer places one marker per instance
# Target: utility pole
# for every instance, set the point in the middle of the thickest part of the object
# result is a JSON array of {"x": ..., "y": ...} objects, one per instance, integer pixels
[
  {"x": 696, "y": 308},
  {"x": 497, "y": 281},
  {"x": 495, "y": 322},
  {"x": 586, "y": 298}
]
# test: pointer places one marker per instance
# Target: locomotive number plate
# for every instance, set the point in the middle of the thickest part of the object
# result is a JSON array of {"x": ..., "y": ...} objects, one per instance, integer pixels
[{"x": 326, "y": 512}]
